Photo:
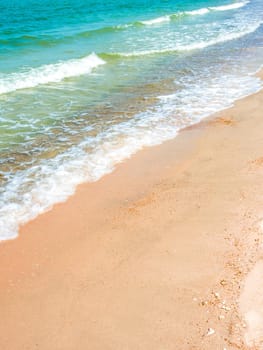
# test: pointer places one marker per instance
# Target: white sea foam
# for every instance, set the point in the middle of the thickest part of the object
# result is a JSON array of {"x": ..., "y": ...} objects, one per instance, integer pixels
[
  {"x": 51, "y": 73},
  {"x": 233, "y": 6},
  {"x": 202, "y": 11},
  {"x": 157, "y": 20},
  {"x": 223, "y": 37},
  {"x": 55, "y": 180},
  {"x": 198, "y": 12}
]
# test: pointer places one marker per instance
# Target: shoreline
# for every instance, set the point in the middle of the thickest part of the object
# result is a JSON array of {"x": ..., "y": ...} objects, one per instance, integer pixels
[
  {"x": 17, "y": 216},
  {"x": 150, "y": 256}
]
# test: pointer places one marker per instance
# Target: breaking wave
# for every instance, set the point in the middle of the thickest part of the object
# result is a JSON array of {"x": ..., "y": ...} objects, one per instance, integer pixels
[
  {"x": 51, "y": 73},
  {"x": 202, "y": 11}
]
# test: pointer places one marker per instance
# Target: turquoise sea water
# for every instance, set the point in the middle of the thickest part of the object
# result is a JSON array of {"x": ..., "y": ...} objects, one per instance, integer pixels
[{"x": 85, "y": 84}]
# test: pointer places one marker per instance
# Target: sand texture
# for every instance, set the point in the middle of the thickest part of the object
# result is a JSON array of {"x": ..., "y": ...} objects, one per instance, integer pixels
[{"x": 162, "y": 254}]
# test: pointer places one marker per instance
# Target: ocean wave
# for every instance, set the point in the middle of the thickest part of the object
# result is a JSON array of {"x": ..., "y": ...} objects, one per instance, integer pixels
[
  {"x": 51, "y": 73},
  {"x": 25, "y": 40},
  {"x": 234, "y": 6},
  {"x": 157, "y": 20},
  {"x": 49, "y": 40},
  {"x": 105, "y": 30},
  {"x": 201, "y": 11},
  {"x": 198, "y": 12},
  {"x": 199, "y": 98},
  {"x": 194, "y": 46}
]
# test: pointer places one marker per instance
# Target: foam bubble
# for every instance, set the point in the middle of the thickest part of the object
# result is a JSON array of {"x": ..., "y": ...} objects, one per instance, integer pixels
[{"x": 51, "y": 73}]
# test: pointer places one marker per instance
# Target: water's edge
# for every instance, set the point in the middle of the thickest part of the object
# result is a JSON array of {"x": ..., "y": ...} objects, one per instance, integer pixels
[{"x": 108, "y": 167}]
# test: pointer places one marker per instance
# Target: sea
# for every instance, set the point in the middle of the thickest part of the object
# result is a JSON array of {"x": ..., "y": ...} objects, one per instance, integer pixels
[{"x": 85, "y": 84}]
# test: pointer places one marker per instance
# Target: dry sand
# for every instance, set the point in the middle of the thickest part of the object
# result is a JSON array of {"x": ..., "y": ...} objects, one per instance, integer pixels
[{"x": 154, "y": 256}]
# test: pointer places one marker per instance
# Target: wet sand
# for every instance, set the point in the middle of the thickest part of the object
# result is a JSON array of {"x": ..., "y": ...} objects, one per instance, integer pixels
[{"x": 164, "y": 253}]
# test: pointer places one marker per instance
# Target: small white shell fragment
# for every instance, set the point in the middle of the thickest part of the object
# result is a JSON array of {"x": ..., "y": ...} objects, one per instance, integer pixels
[
  {"x": 210, "y": 331},
  {"x": 224, "y": 307}
]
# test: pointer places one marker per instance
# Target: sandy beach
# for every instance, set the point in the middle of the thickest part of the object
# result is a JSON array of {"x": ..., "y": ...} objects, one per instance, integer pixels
[{"x": 164, "y": 253}]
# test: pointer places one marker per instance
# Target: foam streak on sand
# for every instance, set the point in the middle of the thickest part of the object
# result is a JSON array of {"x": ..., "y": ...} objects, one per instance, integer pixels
[
  {"x": 251, "y": 305},
  {"x": 52, "y": 73}
]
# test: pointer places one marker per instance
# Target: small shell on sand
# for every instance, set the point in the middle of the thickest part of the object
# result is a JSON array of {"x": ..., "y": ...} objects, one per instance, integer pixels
[{"x": 210, "y": 331}]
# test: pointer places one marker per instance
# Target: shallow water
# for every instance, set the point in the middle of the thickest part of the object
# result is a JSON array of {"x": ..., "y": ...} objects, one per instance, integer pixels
[{"x": 83, "y": 85}]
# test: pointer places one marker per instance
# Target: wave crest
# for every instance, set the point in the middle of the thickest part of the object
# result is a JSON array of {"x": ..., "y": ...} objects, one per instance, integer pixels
[
  {"x": 194, "y": 46},
  {"x": 51, "y": 73},
  {"x": 157, "y": 20},
  {"x": 198, "y": 12},
  {"x": 234, "y": 6}
]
